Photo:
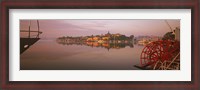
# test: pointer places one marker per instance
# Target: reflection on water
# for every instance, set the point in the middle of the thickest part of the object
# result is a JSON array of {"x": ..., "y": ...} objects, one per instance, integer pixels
[
  {"x": 54, "y": 55},
  {"x": 106, "y": 45}
]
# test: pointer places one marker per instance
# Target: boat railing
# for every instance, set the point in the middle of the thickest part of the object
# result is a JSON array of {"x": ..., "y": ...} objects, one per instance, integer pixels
[{"x": 29, "y": 33}]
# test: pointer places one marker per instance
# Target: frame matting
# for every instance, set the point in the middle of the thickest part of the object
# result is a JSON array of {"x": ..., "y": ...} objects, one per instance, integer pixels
[{"x": 100, "y": 4}]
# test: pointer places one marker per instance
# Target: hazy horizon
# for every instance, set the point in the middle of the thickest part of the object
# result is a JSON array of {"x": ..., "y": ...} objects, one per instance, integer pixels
[{"x": 73, "y": 27}]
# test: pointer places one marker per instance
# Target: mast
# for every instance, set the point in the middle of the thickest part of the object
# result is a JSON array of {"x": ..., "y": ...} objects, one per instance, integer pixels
[
  {"x": 169, "y": 25},
  {"x": 29, "y": 30},
  {"x": 38, "y": 28}
]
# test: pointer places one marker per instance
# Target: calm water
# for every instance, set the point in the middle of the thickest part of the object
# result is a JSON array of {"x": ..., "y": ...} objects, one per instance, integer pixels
[{"x": 51, "y": 55}]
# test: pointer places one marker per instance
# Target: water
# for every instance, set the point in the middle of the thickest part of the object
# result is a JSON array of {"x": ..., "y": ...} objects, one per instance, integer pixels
[{"x": 51, "y": 55}]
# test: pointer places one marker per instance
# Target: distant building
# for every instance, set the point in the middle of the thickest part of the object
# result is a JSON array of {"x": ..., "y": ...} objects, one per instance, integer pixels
[
  {"x": 143, "y": 40},
  {"x": 108, "y": 37},
  {"x": 117, "y": 35},
  {"x": 105, "y": 38},
  {"x": 96, "y": 38},
  {"x": 108, "y": 34},
  {"x": 155, "y": 38},
  {"x": 89, "y": 39}
]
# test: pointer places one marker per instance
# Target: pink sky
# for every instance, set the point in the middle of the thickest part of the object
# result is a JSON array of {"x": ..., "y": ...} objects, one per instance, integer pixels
[{"x": 58, "y": 28}]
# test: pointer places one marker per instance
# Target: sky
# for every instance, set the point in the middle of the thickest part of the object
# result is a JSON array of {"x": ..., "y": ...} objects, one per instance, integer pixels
[{"x": 58, "y": 28}]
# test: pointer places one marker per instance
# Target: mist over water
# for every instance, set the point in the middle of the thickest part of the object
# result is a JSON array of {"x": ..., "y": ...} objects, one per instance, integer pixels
[{"x": 51, "y": 55}]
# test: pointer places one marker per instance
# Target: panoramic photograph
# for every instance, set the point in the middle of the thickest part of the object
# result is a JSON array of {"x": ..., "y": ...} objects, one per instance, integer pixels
[{"x": 100, "y": 44}]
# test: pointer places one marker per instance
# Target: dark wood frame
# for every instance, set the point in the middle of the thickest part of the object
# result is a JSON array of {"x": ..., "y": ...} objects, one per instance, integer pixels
[{"x": 99, "y": 4}]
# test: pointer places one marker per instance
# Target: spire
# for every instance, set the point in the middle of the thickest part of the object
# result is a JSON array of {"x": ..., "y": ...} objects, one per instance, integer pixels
[{"x": 108, "y": 32}]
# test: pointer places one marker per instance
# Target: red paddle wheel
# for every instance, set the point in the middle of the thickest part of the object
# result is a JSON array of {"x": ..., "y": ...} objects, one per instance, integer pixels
[{"x": 159, "y": 51}]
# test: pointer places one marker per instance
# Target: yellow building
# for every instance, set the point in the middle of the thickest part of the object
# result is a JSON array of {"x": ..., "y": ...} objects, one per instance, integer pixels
[
  {"x": 105, "y": 38},
  {"x": 117, "y": 35},
  {"x": 89, "y": 39},
  {"x": 96, "y": 38}
]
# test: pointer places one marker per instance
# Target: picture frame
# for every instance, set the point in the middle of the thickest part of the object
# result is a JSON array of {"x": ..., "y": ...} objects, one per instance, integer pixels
[{"x": 89, "y": 4}]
